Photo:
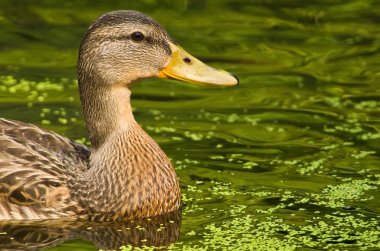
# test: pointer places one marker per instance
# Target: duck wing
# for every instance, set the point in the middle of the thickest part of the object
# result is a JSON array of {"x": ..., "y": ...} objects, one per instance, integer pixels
[{"x": 36, "y": 167}]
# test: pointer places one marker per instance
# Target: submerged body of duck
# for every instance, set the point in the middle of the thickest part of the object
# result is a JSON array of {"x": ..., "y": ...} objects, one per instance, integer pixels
[{"x": 125, "y": 175}]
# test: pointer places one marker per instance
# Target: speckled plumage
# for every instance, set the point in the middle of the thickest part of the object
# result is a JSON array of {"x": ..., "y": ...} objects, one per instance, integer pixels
[{"x": 125, "y": 175}]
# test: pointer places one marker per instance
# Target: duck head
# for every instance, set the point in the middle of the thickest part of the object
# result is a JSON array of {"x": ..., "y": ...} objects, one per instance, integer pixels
[{"x": 121, "y": 47}]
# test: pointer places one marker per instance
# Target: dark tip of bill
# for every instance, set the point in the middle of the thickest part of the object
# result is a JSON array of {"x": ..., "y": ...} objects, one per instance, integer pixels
[{"x": 236, "y": 77}]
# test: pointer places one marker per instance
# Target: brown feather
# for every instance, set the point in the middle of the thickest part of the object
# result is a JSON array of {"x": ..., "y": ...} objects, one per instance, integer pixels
[{"x": 34, "y": 164}]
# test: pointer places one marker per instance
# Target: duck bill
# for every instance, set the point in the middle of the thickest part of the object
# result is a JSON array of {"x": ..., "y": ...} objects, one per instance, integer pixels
[{"x": 182, "y": 66}]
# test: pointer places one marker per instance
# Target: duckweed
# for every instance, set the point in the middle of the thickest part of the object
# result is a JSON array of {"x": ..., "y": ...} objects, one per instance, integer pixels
[{"x": 335, "y": 196}]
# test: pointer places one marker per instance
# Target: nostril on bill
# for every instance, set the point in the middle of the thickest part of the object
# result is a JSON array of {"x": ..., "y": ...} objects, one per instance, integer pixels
[{"x": 187, "y": 60}]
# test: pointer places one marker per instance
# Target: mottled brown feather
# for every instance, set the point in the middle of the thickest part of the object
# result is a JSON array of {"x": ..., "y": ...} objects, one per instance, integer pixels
[{"x": 35, "y": 164}]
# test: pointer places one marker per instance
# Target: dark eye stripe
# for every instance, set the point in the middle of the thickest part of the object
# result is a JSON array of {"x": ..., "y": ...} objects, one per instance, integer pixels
[
  {"x": 122, "y": 37},
  {"x": 149, "y": 40},
  {"x": 127, "y": 37}
]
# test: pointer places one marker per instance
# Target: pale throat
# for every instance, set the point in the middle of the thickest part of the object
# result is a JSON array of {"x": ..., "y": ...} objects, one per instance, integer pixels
[
  {"x": 122, "y": 100},
  {"x": 107, "y": 112}
]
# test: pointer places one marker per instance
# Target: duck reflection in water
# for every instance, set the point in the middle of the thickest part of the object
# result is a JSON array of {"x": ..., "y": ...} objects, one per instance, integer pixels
[{"x": 34, "y": 235}]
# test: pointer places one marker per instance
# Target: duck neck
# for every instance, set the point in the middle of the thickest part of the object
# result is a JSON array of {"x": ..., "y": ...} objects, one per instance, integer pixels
[{"x": 106, "y": 111}]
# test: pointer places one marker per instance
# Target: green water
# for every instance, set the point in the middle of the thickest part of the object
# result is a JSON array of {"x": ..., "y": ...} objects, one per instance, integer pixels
[{"x": 288, "y": 160}]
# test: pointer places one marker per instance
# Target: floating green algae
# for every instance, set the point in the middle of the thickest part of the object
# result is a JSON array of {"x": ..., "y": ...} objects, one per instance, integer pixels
[{"x": 337, "y": 196}]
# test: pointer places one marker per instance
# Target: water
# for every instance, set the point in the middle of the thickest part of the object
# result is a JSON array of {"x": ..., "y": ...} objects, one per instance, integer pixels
[{"x": 289, "y": 159}]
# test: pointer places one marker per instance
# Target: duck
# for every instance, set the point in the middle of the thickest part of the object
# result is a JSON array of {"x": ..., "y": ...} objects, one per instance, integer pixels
[{"x": 125, "y": 175}]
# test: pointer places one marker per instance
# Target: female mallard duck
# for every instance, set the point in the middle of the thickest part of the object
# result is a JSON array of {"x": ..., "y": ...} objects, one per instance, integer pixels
[{"x": 125, "y": 175}]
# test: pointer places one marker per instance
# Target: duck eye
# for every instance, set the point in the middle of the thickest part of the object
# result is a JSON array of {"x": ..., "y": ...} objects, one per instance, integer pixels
[{"x": 137, "y": 36}]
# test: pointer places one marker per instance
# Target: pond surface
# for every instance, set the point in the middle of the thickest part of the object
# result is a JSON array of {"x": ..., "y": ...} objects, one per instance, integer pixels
[{"x": 287, "y": 160}]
